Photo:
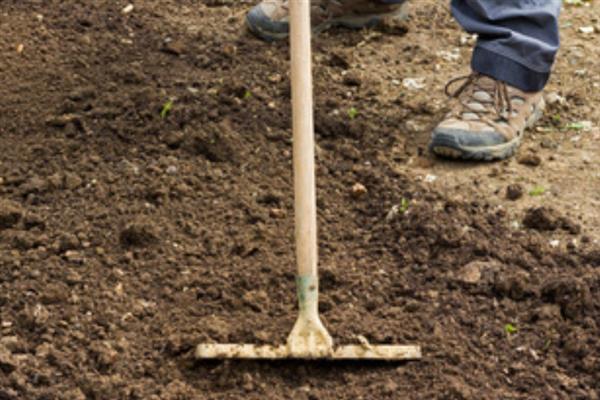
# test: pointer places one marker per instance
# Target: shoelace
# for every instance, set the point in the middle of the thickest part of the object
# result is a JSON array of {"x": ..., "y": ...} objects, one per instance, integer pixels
[{"x": 502, "y": 102}]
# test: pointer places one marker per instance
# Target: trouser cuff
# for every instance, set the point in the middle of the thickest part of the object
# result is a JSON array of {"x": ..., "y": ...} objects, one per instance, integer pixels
[{"x": 507, "y": 70}]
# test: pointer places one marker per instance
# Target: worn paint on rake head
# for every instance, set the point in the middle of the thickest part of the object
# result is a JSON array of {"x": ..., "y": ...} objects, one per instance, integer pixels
[{"x": 349, "y": 352}]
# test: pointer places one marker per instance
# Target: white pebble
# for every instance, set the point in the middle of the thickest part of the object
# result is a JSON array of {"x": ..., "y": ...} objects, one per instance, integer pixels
[
  {"x": 430, "y": 178},
  {"x": 587, "y": 30},
  {"x": 414, "y": 83}
]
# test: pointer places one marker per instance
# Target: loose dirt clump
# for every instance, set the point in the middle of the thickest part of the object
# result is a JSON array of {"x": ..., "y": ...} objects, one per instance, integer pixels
[
  {"x": 140, "y": 233},
  {"x": 531, "y": 160},
  {"x": 10, "y": 213},
  {"x": 216, "y": 143},
  {"x": 514, "y": 192},
  {"x": 571, "y": 294},
  {"x": 548, "y": 219}
]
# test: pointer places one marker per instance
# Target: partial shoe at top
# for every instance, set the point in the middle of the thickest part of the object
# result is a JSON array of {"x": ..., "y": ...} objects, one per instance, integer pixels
[{"x": 269, "y": 20}]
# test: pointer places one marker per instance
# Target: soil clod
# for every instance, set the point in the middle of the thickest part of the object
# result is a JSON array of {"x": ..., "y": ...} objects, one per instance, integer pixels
[
  {"x": 571, "y": 294},
  {"x": 140, "y": 233},
  {"x": 214, "y": 143},
  {"x": 547, "y": 219},
  {"x": 174, "y": 47},
  {"x": 7, "y": 363},
  {"x": 515, "y": 192},
  {"x": 353, "y": 78},
  {"x": 10, "y": 213},
  {"x": 531, "y": 160}
]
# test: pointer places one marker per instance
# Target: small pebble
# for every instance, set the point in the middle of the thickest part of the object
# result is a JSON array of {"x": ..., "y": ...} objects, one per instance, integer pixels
[
  {"x": 587, "y": 30},
  {"x": 532, "y": 160},
  {"x": 359, "y": 190},
  {"x": 277, "y": 213}
]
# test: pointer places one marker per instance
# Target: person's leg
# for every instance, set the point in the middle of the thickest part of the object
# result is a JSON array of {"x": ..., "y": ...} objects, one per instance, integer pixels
[
  {"x": 269, "y": 19},
  {"x": 517, "y": 39},
  {"x": 516, "y": 46}
]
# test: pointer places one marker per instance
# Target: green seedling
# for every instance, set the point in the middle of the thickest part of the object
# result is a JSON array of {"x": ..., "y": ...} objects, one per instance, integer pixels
[
  {"x": 166, "y": 109},
  {"x": 352, "y": 113},
  {"x": 510, "y": 329},
  {"x": 247, "y": 95},
  {"x": 537, "y": 191},
  {"x": 404, "y": 205}
]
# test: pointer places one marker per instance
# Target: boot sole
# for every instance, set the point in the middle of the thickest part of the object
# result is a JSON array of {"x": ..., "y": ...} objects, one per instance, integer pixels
[
  {"x": 352, "y": 22},
  {"x": 446, "y": 146}
]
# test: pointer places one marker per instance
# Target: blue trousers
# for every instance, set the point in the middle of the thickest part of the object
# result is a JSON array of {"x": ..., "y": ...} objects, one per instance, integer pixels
[{"x": 518, "y": 39}]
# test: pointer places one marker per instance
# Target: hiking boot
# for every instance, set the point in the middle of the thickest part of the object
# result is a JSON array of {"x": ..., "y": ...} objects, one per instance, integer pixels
[
  {"x": 269, "y": 19},
  {"x": 488, "y": 120}
]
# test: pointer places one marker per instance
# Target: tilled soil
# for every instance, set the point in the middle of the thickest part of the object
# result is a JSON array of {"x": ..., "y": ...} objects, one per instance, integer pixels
[{"x": 146, "y": 206}]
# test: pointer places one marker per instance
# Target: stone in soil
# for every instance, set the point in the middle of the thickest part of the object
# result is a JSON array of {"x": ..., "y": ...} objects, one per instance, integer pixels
[
  {"x": 277, "y": 213},
  {"x": 72, "y": 181},
  {"x": 470, "y": 273},
  {"x": 358, "y": 190},
  {"x": 532, "y": 160},
  {"x": 175, "y": 47}
]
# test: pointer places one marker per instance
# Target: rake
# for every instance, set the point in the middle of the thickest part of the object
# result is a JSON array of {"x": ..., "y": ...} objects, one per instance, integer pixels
[{"x": 309, "y": 339}]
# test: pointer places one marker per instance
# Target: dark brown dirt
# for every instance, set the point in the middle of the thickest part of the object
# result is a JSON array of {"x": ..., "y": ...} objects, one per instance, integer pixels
[
  {"x": 130, "y": 232},
  {"x": 547, "y": 219}
]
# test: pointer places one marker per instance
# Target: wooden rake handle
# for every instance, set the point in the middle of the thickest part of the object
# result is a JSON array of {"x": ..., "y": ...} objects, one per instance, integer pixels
[{"x": 303, "y": 130}]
